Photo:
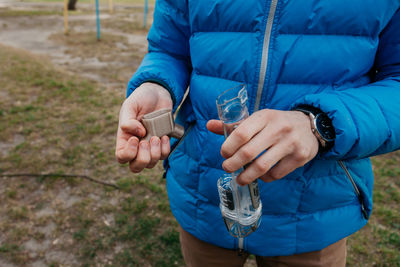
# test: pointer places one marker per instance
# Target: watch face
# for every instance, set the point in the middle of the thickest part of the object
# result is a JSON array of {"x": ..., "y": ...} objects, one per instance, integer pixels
[{"x": 324, "y": 126}]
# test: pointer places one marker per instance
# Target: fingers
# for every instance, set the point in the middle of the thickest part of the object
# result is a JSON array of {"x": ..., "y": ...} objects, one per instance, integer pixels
[
  {"x": 246, "y": 130},
  {"x": 143, "y": 157},
  {"x": 290, "y": 162},
  {"x": 129, "y": 129},
  {"x": 263, "y": 164},
  {"x": 132, "y": 126},
  {"x": 149, "y": 153},
  {"x": 248, "y": 152},
  {"x": 126, "y": 147},
  {"x": 155, "y": 151},
  {"x": 283, "y": 168},
  {"x": 165, "y": 147},
  {"x": 128, "y": 119},
  {"x": 215, "y": 126}
]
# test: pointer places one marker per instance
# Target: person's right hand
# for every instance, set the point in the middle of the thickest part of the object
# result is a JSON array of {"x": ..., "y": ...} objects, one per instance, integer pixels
[{"x": 141, "y": 154}]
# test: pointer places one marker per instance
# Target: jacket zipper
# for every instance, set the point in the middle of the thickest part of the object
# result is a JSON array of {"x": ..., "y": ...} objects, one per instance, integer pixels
[
  {"x": 263, "y": 72},
  {"x": 264, "y": 55},
  {"x": 240, "y": 246},
  {"x": 356, "y": 190}
]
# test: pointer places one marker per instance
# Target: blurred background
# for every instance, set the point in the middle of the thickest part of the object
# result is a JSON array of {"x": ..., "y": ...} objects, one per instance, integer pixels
[{"x": 64, "y": 200}]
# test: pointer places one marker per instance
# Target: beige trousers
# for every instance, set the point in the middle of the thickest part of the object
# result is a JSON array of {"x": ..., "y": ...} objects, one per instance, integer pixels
[{"x": 201, "y": 254}]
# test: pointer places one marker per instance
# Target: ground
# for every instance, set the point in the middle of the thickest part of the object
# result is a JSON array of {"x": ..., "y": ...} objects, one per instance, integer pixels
[{"x": 59, "y": 102}]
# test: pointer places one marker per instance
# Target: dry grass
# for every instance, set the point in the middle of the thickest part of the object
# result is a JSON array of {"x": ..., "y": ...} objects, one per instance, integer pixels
[
  {"x": 53, "y": 122},
  {"x": 86, "y": 45}
]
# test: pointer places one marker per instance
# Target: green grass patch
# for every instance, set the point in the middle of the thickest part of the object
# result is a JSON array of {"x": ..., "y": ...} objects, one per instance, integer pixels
[
  {"x": 11, "y": 194},
  {"x": 53, "y": 122},
  {"x": 7, "y": 248},
  {"x": 378, "y": 242},
  {"x": 125, "y": 258},
  {"x": 18, "y": 213},
  {"x": 14, "y": 253}
]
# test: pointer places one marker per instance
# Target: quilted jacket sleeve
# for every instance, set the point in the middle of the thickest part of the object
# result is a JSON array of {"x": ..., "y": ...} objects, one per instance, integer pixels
[
  {"x": 367, "y": 118},
  {"x": 167, "y": 61}
]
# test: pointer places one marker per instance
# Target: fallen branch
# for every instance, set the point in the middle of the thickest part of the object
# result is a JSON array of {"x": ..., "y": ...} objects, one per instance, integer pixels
[{"x": 60, "y": 175}]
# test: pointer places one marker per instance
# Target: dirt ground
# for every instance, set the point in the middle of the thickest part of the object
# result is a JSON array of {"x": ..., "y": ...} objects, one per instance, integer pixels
[{"x": 110, "y": 62}]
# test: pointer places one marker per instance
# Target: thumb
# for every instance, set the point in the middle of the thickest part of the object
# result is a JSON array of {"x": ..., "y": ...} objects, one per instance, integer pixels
[
  {"x": 215, "y": 126},
  {"x": 128, "y": 121},
  {"x": 133, "y": 127}
]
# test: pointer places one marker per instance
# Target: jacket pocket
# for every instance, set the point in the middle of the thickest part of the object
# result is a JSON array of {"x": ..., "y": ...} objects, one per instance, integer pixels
[{"x": 357, "y": 191}]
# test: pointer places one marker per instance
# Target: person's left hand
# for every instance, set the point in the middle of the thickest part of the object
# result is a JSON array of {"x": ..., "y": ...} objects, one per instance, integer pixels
[{"x": 285, "y": 135}]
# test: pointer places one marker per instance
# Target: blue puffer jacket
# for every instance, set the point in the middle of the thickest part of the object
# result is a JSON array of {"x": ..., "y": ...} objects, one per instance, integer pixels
[{"x": 340, "y": 56}]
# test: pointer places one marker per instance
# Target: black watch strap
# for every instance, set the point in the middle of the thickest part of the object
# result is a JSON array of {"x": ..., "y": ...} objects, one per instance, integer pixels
[
  {"x": 318, "y": 130},
  {"x": 308, "y": 109}
]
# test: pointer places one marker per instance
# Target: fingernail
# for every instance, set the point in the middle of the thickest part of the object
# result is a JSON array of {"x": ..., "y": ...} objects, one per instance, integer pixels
[
  {"x": 239, "y": 182},
  {"x": 138, "y": 132},
  {"x": 144, "y": 145},
  {"x": 134, "y": 142},
  {"x": 165, "y": 140},
  {"x": 225, "y": 167},
  {"x": 155, "y": 142}
]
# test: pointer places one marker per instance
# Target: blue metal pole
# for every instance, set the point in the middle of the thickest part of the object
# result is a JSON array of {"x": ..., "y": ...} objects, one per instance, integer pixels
[
  {"x": 98, "y": 19},
  {"x": 146, "y": 8}
]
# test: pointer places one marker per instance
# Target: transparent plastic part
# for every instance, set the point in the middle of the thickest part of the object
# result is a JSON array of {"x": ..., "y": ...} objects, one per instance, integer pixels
[{"x": 240, "y": 205}]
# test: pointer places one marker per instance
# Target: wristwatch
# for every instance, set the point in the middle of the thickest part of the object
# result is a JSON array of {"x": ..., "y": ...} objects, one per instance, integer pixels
[{"x": 321, "y": 126}]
